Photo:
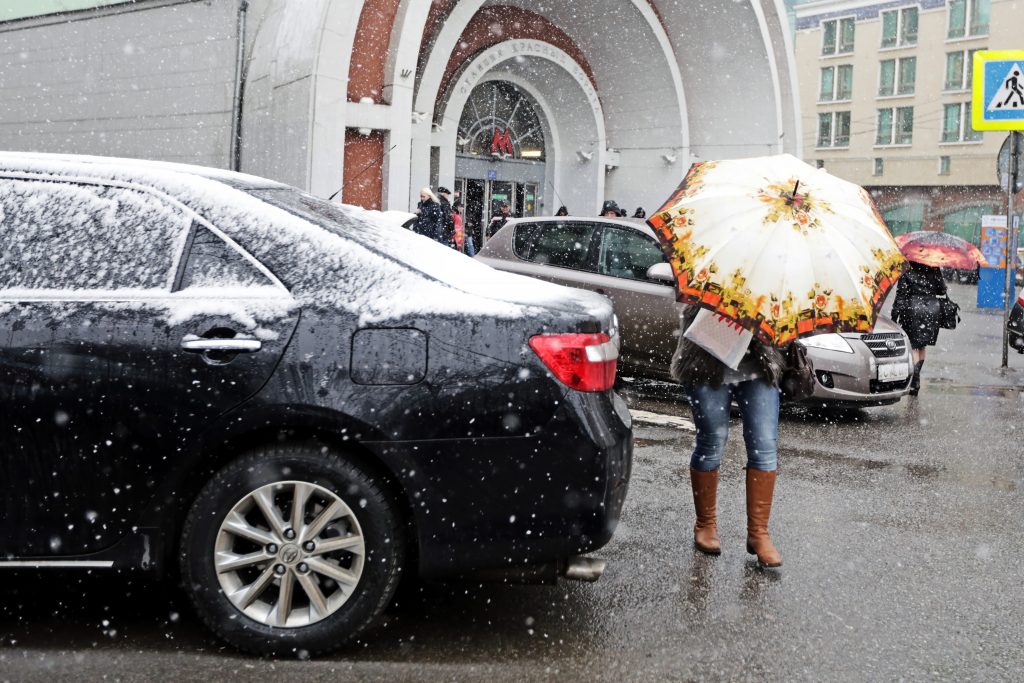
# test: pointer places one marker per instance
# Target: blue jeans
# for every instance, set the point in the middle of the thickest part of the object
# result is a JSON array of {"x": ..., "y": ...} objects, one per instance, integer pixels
[{"x": 758, "y": 400}]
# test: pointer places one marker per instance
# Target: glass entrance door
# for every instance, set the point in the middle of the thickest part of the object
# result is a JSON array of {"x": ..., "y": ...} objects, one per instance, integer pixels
[{"x": 501, "y": 191}]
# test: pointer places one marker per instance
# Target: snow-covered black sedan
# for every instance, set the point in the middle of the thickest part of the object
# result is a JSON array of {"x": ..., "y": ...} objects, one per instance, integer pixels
[{"x": 286, "y": 402}]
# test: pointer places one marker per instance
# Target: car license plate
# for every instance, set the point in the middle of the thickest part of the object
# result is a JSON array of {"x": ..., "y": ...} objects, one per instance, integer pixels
[{"x": 893, "y": 372}]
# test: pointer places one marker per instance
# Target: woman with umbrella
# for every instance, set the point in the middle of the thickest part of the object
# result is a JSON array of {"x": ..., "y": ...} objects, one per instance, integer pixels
[
  {"x": 921, "y": 290},
  {"x": 764, "y": 251}
]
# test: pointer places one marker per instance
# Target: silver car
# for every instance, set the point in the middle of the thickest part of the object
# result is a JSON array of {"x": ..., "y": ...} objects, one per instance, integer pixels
[{"x": 621, "y": 259}]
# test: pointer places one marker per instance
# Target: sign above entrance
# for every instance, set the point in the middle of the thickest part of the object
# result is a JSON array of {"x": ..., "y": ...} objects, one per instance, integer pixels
[
  {"x": 492, "y": 175},
  {"x": 501, "y": 122},
  {"x": 998, "y": 90},
  {"x": 502, "y": 143}
]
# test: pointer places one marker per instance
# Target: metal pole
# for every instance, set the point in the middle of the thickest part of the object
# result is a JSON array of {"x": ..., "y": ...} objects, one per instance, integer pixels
[
  {"x": 236, "y": 100},
  {"x": 1011, "y": 247}
]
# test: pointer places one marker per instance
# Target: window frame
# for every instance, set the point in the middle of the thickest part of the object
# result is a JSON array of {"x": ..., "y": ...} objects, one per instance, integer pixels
[
  {"x": 834, "y": 94},
  {"x": 186, "y": 254},
  {"x": 605, "y": 231},
  {"x": 966, "y": 70},
  {"x": 180, "y": 253},
  {"x": 894, "y": 127},
  {"x": 881, "y": 74},
  {"x": 965, "y": 134},
  {"x": 837, "y": 24},
  {"x": 901, "y": 87},
  {"x": 839, "y": 36},
  {"x": 589, "y": 261},
  {"x": 899, "y": 83},
  {"x": 969, "y": 29},
  {"x": 833, "y": 118},
  {"x": 900, "y": 38},
  {"x": 897, "y": 123},
  {"x": 945, "y": 165},
  {"x": 878, "y": 167},
  {"x": 87, "y": 295}
]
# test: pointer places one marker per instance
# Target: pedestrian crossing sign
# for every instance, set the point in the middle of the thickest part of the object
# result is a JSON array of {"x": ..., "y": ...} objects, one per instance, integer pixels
[{"x": 998, "y": 90}]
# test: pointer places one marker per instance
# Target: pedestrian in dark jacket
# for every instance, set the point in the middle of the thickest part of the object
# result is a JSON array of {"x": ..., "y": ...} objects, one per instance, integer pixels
[
  {"x": 498, "y": 222},
  {"x": 711, "y": 386},
  {"x": 430, "y": 222},
  {"x": 448, "y": 226},
  {"x": 611, "y": 210},
  {"x": 917, "y": 310}
]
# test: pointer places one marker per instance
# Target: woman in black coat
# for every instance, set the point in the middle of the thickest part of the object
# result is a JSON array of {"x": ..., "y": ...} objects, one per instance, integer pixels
[
  {"x": 917, "y": 310},
  {"x": 430, "y": 222}
]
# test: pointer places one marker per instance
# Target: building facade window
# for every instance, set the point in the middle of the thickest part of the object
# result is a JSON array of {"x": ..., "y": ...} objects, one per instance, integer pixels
[
  {"x": 887, "y": 78},
  {"x": 895, "y": 126},
  {"x": 834, "y": 129},
  {"x": 825, "y": 130},
  {"x": 959, "y": 69},
  {"x": 899, "y": 27},
  {"x": 837, "y": 36},
  {"x": 879, "y": 167},
  {"x": 905, "y": 218},
  {"x": 908, "y": 75},
  {"x": 968, "y": 18},
  {"x": 819, "y": 163},
  {"x": 944, "y": 165},
  {"x": 888, "y": 84},
  {"x": 836, "y": 83},
  {"x": 956, "y": 123}
]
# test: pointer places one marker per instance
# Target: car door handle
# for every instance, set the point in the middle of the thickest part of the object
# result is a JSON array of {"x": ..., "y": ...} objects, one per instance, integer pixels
[{"x": 237, "y": 345}]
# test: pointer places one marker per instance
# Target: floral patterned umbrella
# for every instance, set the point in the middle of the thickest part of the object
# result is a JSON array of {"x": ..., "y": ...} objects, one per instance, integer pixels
[
  {"x": 783, "y": 249},
  {"x": 940, "y": 249}
]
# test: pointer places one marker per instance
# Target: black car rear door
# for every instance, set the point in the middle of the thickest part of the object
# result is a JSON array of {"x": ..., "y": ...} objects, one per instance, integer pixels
[{"x": 125, "y": 327}]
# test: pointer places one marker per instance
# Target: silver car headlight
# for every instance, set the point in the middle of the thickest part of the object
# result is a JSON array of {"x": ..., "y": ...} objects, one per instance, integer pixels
[{"x": 829, "y": 342}]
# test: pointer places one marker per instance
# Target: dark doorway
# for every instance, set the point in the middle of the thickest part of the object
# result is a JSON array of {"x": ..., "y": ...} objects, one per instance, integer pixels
[{"x": 474, "y": 210}]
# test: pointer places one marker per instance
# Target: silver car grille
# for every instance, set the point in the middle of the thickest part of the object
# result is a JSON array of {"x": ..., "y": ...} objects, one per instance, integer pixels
[{"x": 886, "y": 344}]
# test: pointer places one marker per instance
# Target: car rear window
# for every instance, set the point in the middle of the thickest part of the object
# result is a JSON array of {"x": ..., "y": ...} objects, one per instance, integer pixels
[{"x": 565, "y": 245}]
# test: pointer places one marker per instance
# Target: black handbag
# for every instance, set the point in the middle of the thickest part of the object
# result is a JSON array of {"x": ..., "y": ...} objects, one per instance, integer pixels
[
  {"x": 949, "y": 313},
  {"x": 797, "y": 381}
]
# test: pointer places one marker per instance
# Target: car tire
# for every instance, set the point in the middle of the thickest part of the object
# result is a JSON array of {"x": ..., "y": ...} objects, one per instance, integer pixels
[{"x": 339, "y": 577}]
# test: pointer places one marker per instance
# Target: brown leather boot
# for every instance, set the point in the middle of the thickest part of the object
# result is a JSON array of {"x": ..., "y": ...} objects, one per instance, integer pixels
[
  {"x": 705, "y": 502},
  {"x": 760, "y": 488}
]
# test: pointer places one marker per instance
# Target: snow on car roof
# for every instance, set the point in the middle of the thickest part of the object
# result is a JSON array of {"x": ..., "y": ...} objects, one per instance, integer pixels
[
  {"x": 367, "y": 265},
  {"x": 115, "y": 167}
]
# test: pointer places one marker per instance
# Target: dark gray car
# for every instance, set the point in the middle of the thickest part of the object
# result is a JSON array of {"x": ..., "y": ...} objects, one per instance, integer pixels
[{"x": 621, "y": 259}]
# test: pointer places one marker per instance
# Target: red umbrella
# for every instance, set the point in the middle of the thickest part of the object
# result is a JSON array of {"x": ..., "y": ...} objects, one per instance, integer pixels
[{"x": 940, "y": 249}]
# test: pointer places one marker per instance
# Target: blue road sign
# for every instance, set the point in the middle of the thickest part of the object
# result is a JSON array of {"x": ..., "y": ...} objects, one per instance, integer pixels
[{"x": 998, "y": 97}]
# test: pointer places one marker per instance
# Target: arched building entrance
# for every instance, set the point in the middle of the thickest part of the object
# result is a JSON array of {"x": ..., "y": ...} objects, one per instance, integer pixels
[
  {"x": 500, "y": 157},
  {"x": 369, "y": 95}
]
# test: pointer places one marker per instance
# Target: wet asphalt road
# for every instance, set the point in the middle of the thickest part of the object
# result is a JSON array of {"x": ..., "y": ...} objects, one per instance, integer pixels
[{"x": 900, "y": 528}]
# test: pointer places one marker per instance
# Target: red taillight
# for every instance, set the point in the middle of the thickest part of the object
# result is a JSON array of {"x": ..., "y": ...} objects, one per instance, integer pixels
[{"x": 584, "y": 362}]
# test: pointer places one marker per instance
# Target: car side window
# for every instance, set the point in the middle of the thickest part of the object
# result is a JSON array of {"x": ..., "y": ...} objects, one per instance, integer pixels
[
  {"x": 628, "y": 254},
  {"x": 565, "y": 245},
  {"x": 212, "y": 262},
  {"x": 76, "y": 236}
]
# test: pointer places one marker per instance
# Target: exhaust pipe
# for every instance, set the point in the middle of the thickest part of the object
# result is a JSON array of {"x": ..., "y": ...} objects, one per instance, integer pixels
[{"x": 581, "y": 568}]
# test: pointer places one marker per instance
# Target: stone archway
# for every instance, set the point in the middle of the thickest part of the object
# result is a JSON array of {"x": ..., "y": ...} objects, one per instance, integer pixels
[
  {"x": 670, "y": 118},
  {"x": 576, "y": 161}
]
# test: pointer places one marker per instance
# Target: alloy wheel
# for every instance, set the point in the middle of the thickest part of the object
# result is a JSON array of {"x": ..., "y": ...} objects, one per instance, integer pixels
[{"x": 289, "y": 554}]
